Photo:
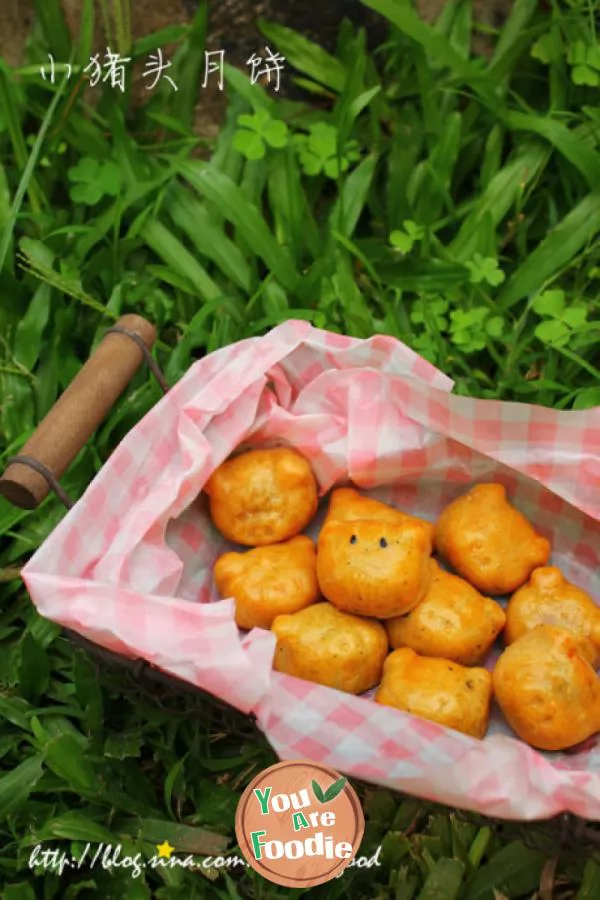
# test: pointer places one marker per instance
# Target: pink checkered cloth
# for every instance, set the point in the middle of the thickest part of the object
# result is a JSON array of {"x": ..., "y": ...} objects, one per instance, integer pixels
[{"x": 130, "y": 566}]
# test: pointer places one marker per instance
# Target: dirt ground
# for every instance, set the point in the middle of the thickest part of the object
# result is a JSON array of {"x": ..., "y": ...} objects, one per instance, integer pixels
[
  {"x": 227, "y": 16},
  {"x": 232, "y": 27}
]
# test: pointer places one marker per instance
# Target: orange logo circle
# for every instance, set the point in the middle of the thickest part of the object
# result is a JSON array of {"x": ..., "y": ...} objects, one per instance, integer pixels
[{"x": 299, "y": 824}]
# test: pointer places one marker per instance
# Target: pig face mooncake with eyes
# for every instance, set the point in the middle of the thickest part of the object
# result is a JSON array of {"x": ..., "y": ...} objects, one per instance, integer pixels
[
  {"x": 489, "y": 542},
  {"x": 346, "y": 504},
  {"x": 269, "y": 581},
  {"x": 438, "y": 690},
  {"x": 549, "y": 599},
  {"x": 329, "y": 647},
  {"x": 547, "y": 690},
  {"x": 453, "y": 621},
  {"x": 262, "y": 496},
  {"x": 374, "y": 568}
]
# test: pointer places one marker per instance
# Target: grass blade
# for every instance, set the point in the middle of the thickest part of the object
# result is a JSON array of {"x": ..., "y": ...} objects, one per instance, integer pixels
[
  {"x": 210, "y": 241},
  {"x": 352, "y": 199},
  {"x": 172, "y": 251},
  {"x": 572, "y": 147},
  {"x": 499, "y": 196},
  {"x": 306, "y": 56},
  {"x": 231, "y": 203},
  {"x": 24, "y": 184},
  {"x": 564, "y": 242},
  {"x": 16, "y": 786},
  {"x": 401, "y": 14}
]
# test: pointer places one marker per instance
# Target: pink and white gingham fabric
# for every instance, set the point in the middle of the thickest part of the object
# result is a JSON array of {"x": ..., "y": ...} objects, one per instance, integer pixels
[{"x": 130, "y": 567}]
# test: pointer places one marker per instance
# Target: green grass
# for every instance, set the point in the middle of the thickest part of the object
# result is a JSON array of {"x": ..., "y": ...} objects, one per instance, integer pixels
[{"x": 447, "y": 200}]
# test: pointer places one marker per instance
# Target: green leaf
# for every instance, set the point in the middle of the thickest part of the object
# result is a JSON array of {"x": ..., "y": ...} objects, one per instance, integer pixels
[
  {"x": 553, "y": 332},
  {"x": 572, "y": 146},
  {"x": 208, "y": 236},
  {"x": 334, "y": 789},
  {"x": 444, "y": 882},
  {"x": 249, "y": 143},
  {"x": 590, "y": 885},
  {"x": 515, "y": 870},
  {"x": 494, "y": 326},
  {"x": 275, "y": 133},
  {"x": 184, "y": 838},
  {"x": 352, "y": 199},
  {"x": 34, "y": 671},
  {"x": 233, "y": 205},
  {"x": 73, "y": 825},
  {"x": 318, "y": 791},
  {"x": 402, "y": 14},
  {"x": 575, "y": 316},
  {"x": 110, "y": 178},
  {"x": 548, "y": 48},
  {"x": 586, "y": 399},
  {"x": 306, "y": 56},
  {"x": 168, "y": 248},
  {"x": 402, "y": 241},
  {"x": 86, "y": 170},
  {"x": 549, "y": 303},
  {"x": 67, "y": 759},
  {"x": 499, "y": 196},
  {"x": 29, "y": 331},
  {"x": 585, "y": 75},
  {"x": 18, "y": 891},
  {"x": 16, "y": 786},
  {"x": 556, "y": 250}
]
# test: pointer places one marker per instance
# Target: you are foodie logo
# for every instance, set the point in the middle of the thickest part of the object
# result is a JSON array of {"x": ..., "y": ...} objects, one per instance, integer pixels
[{"x": 299, "y": 824}]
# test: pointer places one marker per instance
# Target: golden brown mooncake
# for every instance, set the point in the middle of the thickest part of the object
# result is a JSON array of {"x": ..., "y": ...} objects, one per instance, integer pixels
[
  {"x": 329, "y": 647},
  {"x": 547, "y": 690},
  {"x": 453, "y": 621},
  {"x": 438, "y": 690},
  {"x": 374, "y": 568},
  {"x": 269, "y": 581},
  {"x": 262, "y": 496},
  {"x": 549, "y": 599},
  {"x": 489, "y": 542},
  {"x": 346, "y": 504}
]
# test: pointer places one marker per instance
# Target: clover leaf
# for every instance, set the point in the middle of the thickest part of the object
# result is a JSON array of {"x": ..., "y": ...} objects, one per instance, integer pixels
[
  {"x": 258, "y": 131},
  {"x": 469, "y": 329},
  {"x": 585, "y": 62},
  {"x": 426, "y": 309},
  {"x": 485, "y": 269},
  {"x": 318, "y": 151},
  {"x": 560, "y": 320},
  {"x": 93, "y": 180},
  {"x": 548, "y": 48},
  {"x": 425, "y": 347},
  {"x": 405, "y": 240},
  {"x": 587, "y": 397}
]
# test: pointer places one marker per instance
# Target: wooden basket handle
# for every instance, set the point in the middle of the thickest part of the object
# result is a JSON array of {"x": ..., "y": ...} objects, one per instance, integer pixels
[{"x": 78, "y": 412}]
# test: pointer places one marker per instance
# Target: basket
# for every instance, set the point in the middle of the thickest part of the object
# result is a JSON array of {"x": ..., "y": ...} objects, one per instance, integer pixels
[{"x": 46, "y": 456}]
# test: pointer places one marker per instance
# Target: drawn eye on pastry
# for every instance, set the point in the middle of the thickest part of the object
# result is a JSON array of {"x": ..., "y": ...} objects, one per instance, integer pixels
[
  {"x": 383, "y": 543},
  {"x": 353, "y": 539}
]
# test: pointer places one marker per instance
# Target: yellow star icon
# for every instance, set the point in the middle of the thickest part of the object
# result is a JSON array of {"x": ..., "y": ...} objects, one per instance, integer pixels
[{"x": 164, "y": 850}]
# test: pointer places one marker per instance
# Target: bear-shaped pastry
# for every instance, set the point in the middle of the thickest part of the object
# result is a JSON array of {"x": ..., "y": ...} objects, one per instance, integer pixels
[
  {"x": 262, "y": 496},
  {"x": 547, "y": 690},
  {"x": 329, "y": 647},
  {"x": 549, "y": 599},
  {"x": 346, "y": 504},
  {"x": 489, "y": 542},
  {"x": 269, "y": 581},
  {"x": 437, "y": 689},
  {"x": 453, "y": 621},
  {"x": 374, "y": 568}
]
